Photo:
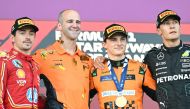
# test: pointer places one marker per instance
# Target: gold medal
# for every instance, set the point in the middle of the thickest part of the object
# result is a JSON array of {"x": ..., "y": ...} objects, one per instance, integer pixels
[{"x": 121, "y": 101}]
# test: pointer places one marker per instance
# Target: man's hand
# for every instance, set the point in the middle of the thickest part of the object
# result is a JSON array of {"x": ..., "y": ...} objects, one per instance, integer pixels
[{"x": 98, "y": 63}]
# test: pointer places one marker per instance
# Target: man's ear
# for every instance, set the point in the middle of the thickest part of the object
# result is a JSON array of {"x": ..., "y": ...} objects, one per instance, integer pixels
[
  {"x": 59, "y": 26},
  {"x": 159, "y": 32},
  {"x": 13, "y": 38},
  {"x": 104, "y": 45}
]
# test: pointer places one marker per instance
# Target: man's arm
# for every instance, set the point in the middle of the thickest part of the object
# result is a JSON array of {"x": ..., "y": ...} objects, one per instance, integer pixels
[
  {"x": 149, "y": 59},
  {"x": 93, "y": 90},
  {"x": 51, "y": 100},
  {"x": 3, "y": 77},
  {"x": 149, "y": 84}
]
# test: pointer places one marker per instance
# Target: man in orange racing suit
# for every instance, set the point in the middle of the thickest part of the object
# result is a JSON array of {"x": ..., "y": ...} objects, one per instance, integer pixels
[
  {"x": 120, "y": 85},
  {"x": 19, "y": 73},
  {"x": 65, "y": 69}
]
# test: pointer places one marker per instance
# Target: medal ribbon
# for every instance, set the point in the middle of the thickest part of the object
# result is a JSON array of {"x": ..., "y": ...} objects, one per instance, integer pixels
[{"x": 119, "y": 85}]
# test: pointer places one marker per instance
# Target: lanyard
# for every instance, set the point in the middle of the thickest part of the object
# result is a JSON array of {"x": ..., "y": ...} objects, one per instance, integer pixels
[{"x": 119, "y": 85}]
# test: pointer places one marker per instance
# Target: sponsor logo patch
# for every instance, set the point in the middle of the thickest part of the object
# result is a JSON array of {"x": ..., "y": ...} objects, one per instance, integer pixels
[
  {"x": 161, "y": 63},
  {"x": 32, "y": 95},
  {"x": 173, "y": 78},
  {"x": 185, "y": 65},
  {"x": 20, "y": 73},
  {"x": 94, "y": 73},
  {"x": 160, "y": 56},
  {"x": 116, "y": 93},
  {"x": 21, "y": 82},
  {"x": 17, "y": 63},
  {"x": 186, "y": 53},
  {"x": 109, "y": 77}
]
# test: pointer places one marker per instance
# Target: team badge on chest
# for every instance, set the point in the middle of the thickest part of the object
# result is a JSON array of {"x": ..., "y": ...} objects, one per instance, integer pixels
[{"x": 17, "y": 63}]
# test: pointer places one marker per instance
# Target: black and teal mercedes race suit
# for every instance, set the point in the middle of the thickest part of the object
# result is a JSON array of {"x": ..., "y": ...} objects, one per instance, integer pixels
[{"x": 170, "y": 67}]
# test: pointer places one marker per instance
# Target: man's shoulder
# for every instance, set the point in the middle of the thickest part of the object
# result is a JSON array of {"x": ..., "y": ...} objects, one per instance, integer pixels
[
  {"x": 43, "y": 53},
  {"x": 137, "y": 64},
  {"x": 152, "y": 55},
  {"x": 186, "y": 50},
  {"x": 153, "y": 50},
  {"x": 48, "y": 48},
  {"x": 85, "y": 57},
  {"x": 132, "y": 61},
  {"x": 43, "y": 50},
  {"x": 7, "y": 57},
  {"x": 187, "y": 46},
  {"x": 3, "y": 54}
]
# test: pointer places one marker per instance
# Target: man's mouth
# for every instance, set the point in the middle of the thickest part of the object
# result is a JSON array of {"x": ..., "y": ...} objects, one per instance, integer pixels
[
  {"x": 119, "y": 48},
  {"x": 173, "y": 32},
  {"x": 27, "y": 42}
]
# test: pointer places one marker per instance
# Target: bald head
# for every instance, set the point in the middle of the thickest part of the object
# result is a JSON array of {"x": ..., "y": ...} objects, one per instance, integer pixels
[
  {"x": 69, "y": 24},
  {"x": 68, "y": 14}
]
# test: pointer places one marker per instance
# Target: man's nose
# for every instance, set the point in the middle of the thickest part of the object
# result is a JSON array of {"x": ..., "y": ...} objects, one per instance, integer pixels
[
  {"x": 119, "y": 42},
  {"x": 75, "y": 24}
]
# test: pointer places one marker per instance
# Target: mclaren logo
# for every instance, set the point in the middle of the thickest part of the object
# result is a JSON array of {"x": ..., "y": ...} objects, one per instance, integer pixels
[{"x": 160, "y": 56}]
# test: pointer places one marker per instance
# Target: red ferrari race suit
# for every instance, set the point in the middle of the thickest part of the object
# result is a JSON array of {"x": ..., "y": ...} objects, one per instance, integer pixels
[{"x": 19, "y": 83}]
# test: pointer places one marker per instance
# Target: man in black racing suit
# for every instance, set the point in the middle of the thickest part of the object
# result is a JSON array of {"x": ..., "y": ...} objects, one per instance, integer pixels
[{"x": 170, "y": 64}]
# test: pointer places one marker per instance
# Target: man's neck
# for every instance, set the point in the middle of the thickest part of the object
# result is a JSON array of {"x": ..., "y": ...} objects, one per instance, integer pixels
[
  {"x": 172, "y": 43},
  {"x": 22, "y": 51},
  {"x": 117, "y": 58},
  {"x": 69, "y": 46}
]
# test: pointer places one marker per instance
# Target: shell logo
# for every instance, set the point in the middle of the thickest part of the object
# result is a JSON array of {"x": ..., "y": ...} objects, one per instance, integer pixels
[{"x": 20, "y": 73}]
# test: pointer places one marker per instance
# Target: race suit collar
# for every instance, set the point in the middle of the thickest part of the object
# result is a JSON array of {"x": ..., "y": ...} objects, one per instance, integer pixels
[
  {"x": 173, "y": 49},
  {"x": 21, "y": 55},
  {"x": 117, "y": 63}
]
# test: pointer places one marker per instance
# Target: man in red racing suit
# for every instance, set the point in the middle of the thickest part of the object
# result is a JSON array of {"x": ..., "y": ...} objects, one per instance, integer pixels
[{"x": 19, "y": 83}]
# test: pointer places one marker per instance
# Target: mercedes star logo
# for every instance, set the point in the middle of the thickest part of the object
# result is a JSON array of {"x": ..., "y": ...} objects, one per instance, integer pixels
[{"x": 160, "y": 56}]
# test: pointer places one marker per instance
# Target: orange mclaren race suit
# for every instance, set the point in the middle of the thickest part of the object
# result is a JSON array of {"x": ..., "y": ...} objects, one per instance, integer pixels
[
  {"x": 19, "y": 84},
  {"x": 137, "y": 80},
  {"x": 65, "y": 76}
]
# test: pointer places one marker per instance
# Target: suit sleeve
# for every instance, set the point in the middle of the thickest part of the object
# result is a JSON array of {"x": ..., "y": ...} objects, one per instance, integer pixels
[
  {"x": 149, "y": 84},
  {"x": 149, "y": 58},
  {"x": 93, "y": 90},
  {"x": 3, "y": 82}
]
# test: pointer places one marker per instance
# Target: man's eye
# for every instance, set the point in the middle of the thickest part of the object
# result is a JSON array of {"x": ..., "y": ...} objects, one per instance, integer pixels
[
  {"x": 112, "y": 39},
  {"x": 166, "y": 23},
  {"x": 70, "y": 21},
  {"x": 123, "y": 39},
  {"x": 22, "y": 32},
  {"x": 175, "y": 21},
  {"x": 78, "y": 22},
  {"x": 32, "y": 33}
]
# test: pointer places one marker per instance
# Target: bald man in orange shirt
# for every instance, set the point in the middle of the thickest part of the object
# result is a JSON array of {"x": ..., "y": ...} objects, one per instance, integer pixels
[{"x": 65, "y": 69}]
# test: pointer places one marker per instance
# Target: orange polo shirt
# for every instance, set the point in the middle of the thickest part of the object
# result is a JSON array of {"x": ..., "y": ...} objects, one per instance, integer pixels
[{"x": 68, "y": 74}]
